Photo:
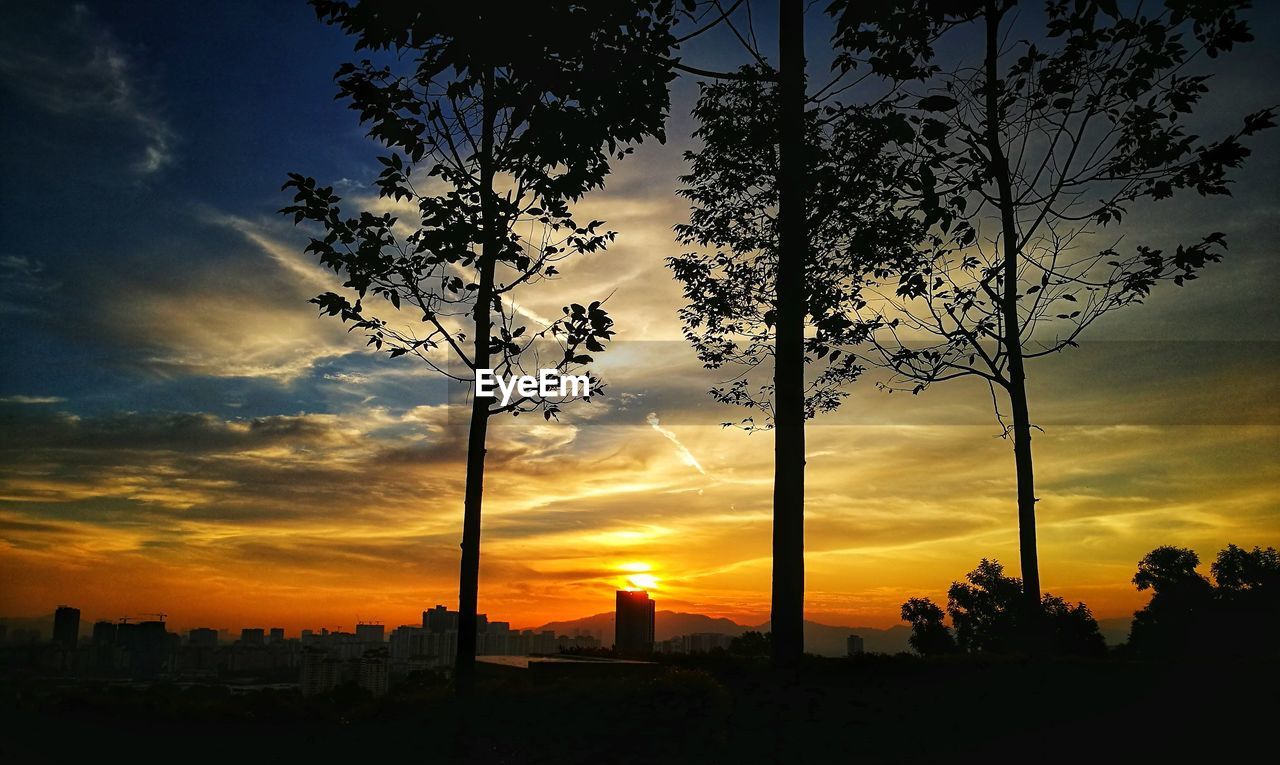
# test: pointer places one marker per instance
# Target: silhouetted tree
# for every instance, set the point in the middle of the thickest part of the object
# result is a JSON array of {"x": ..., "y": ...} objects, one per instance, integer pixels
[
  {"x": 1072, "y": 630},
  {"x": 496, "y": 118},
  {"x": 793, "y": 201},
  {"x": 1237, "y": 614},
  {"x": 1237, "y": 570},
  {"x": 1247, "y": 593},
  {"x": 988, "y": 613},
  {"x": 1026, "y": 148},
  {"x": 929, "y": 636},
  {"x": 986, "y": 610},
  {"x": 752, "y": 643}
]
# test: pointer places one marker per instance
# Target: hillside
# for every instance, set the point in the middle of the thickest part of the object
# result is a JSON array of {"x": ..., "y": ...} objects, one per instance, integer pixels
[{"x": 822, "y": 639}]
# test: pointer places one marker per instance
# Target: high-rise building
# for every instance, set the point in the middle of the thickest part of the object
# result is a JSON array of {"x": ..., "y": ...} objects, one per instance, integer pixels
[
  {"x": 317, "y": 674},
  {"x": 276, "y": 636},
  {"x": 370, "y": 632},
  {"x": 253, "y": 636},
  {"x": 374, "y": 671},
  {"x": 855, "y": 645},
  {"x": 203, "y": 637},
  {"x": 148, "y": 646},
  {"x": 440, "y": 619},
  {"x": 104, "y": 633},
  {"x": 66, "y": 626},
  {"x": 633, "y": 622}
]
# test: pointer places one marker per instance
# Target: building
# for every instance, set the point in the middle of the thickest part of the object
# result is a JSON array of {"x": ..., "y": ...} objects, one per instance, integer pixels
[
  {"x": 276, "y": 636},
  {"x": 66, "y": 626},
  {"x": 253, "y": 636},
  {"x": 371, "y": 632},
  {"x": 440, "y": 619},
  {"x": 633, "y": 622},
  {"x": 104, "y": 632},
  {"x": 203, "y": 637},
  {"x": 698, "y": 642},
  {"x": 148, "y": 646},
  {"x": 855, "y": 645},
  {"x": 375, "y": 671},
  {"x": 320, "y": 671}
]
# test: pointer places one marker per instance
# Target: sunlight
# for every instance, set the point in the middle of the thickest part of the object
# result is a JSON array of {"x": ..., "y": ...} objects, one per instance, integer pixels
[{"x": 642, "y": 582}]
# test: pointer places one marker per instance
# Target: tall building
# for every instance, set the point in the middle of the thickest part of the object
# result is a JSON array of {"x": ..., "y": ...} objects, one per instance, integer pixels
[
  {"x": 320, "y": 672},
  {"x": 633, "y": 622},
  {"x": 253, "y": 636},
  {"x": 855, "y": 645},
  {"x": 203, "y": 637},
  {"x": 368, "y": 632},
  {"x": 104, "y": 633},
  {"x": 374, "y": 671},
  {"x": 440, "y": 619},
  {"x": 276, "y": 636},
  {"x": 66, "y": 626}
]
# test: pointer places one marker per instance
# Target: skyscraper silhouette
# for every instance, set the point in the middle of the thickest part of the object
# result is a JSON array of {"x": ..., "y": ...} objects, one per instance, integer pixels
[
  {"x": 66, "y": 626},
  {"x": 633, "y": 622}
]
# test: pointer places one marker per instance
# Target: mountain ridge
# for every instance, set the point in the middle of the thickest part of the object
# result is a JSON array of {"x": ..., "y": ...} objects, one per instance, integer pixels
[{"x": 821, "y": 639}]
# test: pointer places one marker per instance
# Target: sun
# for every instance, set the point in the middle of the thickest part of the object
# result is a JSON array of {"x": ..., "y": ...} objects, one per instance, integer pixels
[{"x": 643, "y": 581}]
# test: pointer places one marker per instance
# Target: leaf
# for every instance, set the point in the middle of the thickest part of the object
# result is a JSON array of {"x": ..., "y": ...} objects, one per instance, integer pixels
[{"x": 937, "y": 103}]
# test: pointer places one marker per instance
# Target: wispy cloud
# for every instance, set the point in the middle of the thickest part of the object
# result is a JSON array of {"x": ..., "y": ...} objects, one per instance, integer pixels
[
  {"x": 685, "y": 454},
  {"x": 20, "y": 399},
  {"x": 80, "y": 69}
]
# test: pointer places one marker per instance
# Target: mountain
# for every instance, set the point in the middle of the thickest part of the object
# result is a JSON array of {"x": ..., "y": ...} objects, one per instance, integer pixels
[
  {"x": 1115, "y": 630},
  {"x": 822, "y": 639},
  {"x": 41, "y": 624},
  {"x": 667, "y": 624}
]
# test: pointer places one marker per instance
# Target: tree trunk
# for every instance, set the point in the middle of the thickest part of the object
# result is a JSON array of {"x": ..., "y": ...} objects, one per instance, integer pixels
[
  {"x": 469, "y": 574},
  {"x": 1012, "y": 339},
  {"x": 789, "y": 458}
]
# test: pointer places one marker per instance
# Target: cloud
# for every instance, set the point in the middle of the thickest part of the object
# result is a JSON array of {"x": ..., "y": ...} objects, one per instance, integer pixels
[
  {"x": 77, "y": 68},
  {"x": 685, "y": 454},
  {"x": 20, "y": 399}
]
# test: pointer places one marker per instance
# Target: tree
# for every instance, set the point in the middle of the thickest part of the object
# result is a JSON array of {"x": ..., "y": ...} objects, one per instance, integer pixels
[
  {"x": 1247, "y": 596},
  {"x": 495, "y": 120},
  {"x": 1188, "y": 615},
  {"x": 1238, "y": 570},
  {"x": 1023, "y": 154},
  {"x": 929, "y": 636},
  {"x": 986, "y": 610},
  {"x": 989, "y": 612},
  {"x": 752, "y": 643},
  {"x": 792, "y": 202}
]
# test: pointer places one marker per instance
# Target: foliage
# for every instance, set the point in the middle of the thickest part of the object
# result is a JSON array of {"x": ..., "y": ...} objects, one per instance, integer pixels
[
  {"x": 988, "y": 613},
  {"x": 929, "y": 636},
  {"x": 1236, "y": 614},
  {"x": 752, "y": 643},
  {"x": 566, "y": 87},
  {"x": 855, "y": 229},
  {"x": 1087, "y": 121}
]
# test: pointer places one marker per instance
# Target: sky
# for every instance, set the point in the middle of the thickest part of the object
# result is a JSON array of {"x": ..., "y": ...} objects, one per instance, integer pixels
[{"x": 180, "y": 433}]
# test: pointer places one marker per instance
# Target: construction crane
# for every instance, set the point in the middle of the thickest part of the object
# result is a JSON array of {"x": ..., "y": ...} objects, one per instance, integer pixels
[{"x": 161, "y": 616}]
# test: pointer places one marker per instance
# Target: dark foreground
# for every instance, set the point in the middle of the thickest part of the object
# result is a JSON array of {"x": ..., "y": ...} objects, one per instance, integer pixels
[{"x": 706, "y": 710}]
